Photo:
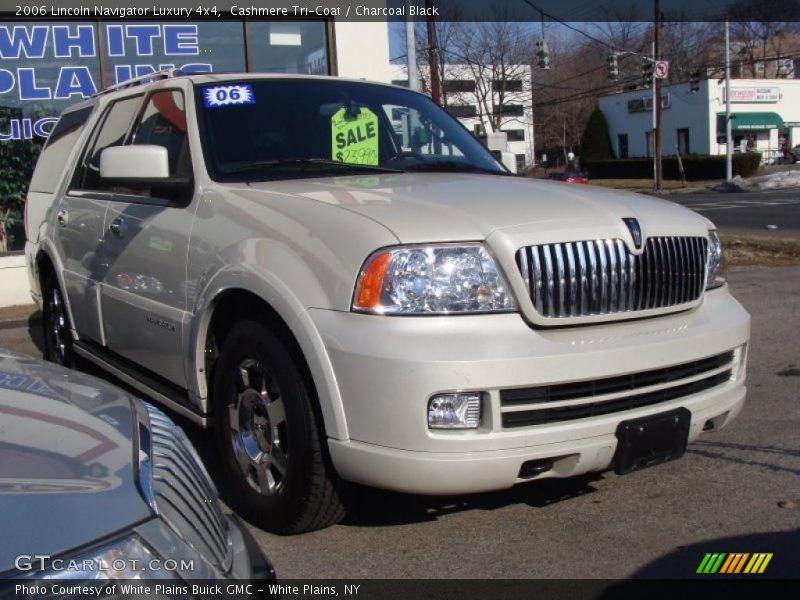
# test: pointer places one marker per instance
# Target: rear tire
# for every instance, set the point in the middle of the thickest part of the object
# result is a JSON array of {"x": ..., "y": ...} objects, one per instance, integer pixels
[
  {"x": 57, "y": 328},
  {"x": 271, "y": 443}
]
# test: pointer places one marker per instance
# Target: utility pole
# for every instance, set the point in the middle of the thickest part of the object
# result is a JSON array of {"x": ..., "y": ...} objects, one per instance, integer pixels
[
  {"x": 411, "y": 52},
  {"x": 433, "y": 55},
  {"x": 728, "y": 140},
  {"x": 657, "y": 95}
]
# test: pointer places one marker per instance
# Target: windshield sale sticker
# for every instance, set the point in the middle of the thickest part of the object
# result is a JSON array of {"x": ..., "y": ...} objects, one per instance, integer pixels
[
  {"x": 227, "y": 95},
  {"x": 354, "y": 139}
]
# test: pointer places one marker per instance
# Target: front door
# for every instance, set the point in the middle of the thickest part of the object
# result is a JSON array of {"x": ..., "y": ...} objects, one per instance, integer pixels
[{"x": 144, "y": 291}]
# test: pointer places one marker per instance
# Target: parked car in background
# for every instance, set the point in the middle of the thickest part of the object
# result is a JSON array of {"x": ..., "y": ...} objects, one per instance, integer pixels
[
  {"x": 570, "y": 177},
  {"x": 340, "y": 281},
  {"x": 96, "y": 484},
  {"x": 794, "y": 154}
]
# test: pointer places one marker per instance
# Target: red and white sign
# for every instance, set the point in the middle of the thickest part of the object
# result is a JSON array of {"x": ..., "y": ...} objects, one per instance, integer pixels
[{"x": 662, "y": 69}]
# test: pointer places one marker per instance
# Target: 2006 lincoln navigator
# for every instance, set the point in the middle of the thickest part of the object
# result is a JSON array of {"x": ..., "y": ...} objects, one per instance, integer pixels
[{"x": 342, "y": 281}]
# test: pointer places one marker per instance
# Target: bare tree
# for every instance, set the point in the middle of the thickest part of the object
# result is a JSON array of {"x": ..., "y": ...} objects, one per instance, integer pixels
[{"x": 497, "y": 56}]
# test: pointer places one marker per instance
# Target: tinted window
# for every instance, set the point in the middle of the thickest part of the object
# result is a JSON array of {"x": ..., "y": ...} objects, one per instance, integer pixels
[
  {"x": 509, "y": 85},
  {"x": 467, "y": 110},
  {"x": 459, "y": 85},
  {"x": 509, "y": 110},
  {"x": 60, "y": 144},
  {"x": 163, "y": 123},
  {"x": 112, "y": 131},
  {"x": 515, "y": 135}
]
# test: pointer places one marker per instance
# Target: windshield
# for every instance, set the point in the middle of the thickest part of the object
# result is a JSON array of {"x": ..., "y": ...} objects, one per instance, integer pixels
[{"x": 262, "y": 129}]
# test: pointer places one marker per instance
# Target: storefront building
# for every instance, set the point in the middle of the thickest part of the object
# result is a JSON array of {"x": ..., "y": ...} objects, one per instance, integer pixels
[
  {"x": 765, "y": 117},
  {"x": 47, "y": 66}
]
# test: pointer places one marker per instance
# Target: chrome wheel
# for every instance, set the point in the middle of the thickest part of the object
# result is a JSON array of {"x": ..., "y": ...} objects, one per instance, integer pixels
[
  {"x": 258, "y": 428},
  {"x": 58, "y": 330}
]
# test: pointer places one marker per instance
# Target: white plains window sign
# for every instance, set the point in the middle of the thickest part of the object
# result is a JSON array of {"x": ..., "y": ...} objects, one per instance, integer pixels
[
  {"x": 226, "y": 95},
  {"x": 755, "y": 94}
]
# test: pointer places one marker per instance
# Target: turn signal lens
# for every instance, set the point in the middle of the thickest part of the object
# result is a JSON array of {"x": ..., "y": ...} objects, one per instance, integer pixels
[{"x": 368, "y": 293}]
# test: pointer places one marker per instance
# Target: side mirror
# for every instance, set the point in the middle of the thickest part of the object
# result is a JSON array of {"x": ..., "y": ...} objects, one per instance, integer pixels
[
  {"x": 140, "y": 164},
  {"x": 143, "y": 166}
]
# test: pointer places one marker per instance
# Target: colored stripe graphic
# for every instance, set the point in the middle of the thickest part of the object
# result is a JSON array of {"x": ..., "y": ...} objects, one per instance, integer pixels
[
  {"x": 733, "y": 563},
  {"x": 758, "y": 563}
]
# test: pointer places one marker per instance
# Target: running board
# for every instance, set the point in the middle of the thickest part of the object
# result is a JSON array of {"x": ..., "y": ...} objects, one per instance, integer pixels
[{"x": 165, "y": 393}]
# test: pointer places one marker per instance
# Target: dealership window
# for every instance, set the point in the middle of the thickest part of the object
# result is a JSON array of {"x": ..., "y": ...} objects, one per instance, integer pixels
[
  {"x": 683, "y": 141},
  {"x": 622, "y": 145},
  {"x": 515, "y": 135},
  {"x": 288, "y": 47}
]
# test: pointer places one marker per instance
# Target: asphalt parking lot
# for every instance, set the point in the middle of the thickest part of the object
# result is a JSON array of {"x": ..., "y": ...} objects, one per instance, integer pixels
[{"x": 736, "y": 490}]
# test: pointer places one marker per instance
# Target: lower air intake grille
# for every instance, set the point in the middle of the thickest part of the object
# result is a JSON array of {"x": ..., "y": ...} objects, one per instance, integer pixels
[{"x": 539, "y": 397}]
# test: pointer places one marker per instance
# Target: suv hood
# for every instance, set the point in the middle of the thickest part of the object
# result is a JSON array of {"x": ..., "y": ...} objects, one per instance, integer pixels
[
  {"x": 428, "y": 207},
  {"x": 66, "y": 459}
]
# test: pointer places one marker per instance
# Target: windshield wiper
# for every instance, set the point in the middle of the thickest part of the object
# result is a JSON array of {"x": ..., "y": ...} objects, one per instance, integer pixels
[
  {"x": 305, "y": 162},
  {"x": 450, "y": 166}
]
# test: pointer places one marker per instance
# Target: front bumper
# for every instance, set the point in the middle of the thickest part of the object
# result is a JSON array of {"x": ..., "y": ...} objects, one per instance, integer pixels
[{"x": 387, "y": 368}]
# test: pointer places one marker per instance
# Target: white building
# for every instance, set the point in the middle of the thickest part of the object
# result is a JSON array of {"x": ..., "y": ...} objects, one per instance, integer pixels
[
  {"x": 470, "y": 97},
  {"x": 765, "y": 112}
]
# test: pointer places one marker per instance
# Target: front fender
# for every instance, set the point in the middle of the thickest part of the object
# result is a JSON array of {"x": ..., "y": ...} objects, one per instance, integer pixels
[{"x": 262, "y": 281}]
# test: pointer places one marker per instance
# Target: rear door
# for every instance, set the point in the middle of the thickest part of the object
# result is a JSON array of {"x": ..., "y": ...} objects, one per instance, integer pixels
[
  {"x": 143, "y": 291},
  {"x": 79, "y": 227}
]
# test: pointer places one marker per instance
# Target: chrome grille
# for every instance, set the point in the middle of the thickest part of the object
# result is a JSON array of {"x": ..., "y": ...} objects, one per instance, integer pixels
[
  {"x": 183, "y": 493},
  {"x": 596, "y": 277}
]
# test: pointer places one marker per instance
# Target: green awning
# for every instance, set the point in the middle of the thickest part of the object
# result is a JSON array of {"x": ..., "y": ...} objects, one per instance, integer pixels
[{"x": 752, "y": 121}]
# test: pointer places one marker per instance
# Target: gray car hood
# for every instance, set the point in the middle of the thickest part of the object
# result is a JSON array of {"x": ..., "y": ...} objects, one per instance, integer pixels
[{"x": 66, "y": 460}]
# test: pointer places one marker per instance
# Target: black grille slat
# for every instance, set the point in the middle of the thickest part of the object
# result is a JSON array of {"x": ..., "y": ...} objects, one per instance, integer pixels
[
  {"x": 598, "y": 277},
  {"x": 611, "y": 385},
  {"x": 593, "y": 409}
]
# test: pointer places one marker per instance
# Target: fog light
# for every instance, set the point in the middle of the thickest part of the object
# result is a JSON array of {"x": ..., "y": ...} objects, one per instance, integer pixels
[{"x": 454, "y": 411}]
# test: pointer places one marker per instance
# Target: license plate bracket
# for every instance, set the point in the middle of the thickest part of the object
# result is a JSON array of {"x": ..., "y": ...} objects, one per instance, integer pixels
[{"x": 652, "y": 440}]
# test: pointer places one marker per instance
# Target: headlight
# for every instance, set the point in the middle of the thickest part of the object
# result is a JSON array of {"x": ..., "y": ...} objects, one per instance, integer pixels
[
  {"x": 715, "y": 273},
  {"x": 441, "y": 279},
  {"x": 127, "y": 558}
]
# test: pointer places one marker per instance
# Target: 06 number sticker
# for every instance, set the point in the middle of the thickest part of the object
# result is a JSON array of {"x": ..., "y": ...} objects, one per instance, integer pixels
[{"x": 227, "y": 95}]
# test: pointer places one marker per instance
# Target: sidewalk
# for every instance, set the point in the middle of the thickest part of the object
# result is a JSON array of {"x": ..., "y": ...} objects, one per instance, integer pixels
[{"x": 19, "y": 316}]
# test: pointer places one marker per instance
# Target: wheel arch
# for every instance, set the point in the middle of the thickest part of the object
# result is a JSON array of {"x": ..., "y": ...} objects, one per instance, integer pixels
[{"x": 232, "y": 301}]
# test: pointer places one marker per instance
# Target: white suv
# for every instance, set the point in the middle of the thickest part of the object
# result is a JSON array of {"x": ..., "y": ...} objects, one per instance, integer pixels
[{"x": 342, "y": 281}]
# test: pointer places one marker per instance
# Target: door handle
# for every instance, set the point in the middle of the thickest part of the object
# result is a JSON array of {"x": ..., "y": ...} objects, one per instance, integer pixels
[
  {"x": 117, "y": 227},
  {"x": 62, "y": 217}
]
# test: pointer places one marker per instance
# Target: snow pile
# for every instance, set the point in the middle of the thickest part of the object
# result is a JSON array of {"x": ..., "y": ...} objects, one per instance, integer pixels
[{"x": 774, "y": 181}]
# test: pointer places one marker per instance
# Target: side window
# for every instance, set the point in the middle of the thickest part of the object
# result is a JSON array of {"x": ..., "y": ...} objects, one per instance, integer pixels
[
  {"x": 112, "y": 131},
  {"x": 59, "y": 146},
  {"x": 163, "y": 123}
]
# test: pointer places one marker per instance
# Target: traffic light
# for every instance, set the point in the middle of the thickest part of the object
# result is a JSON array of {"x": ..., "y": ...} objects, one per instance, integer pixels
[
  {"x": 647, "y": 72},
  {"x": 543, "y": 54},
  {"x": 694, "y": 82},
  {"x": 613, "y": 67}
]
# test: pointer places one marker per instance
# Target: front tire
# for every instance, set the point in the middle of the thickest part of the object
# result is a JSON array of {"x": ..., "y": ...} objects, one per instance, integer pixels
[
  {"x": 271, "y": 444},
  {"x": 56, "y": 325}
]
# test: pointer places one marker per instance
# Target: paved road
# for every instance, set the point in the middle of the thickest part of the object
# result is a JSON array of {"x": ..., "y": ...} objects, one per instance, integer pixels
[
  {"x": 723, "y": 495},
  {"x": 747, "y": 211}
]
